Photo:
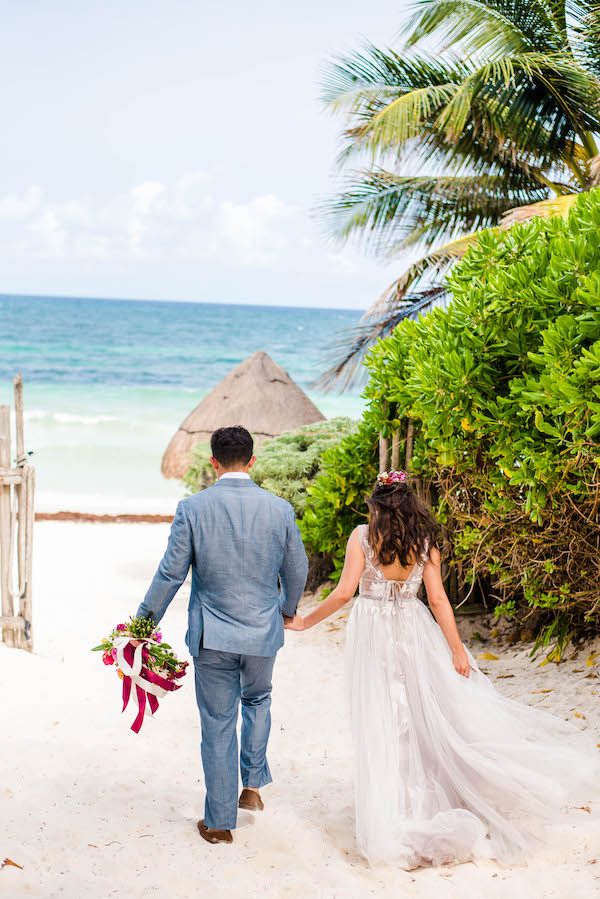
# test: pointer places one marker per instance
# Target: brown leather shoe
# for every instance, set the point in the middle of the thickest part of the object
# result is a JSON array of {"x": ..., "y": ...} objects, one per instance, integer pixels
[
  {"x": 212, "y": 835},
  {"x": 250, "y": 801}
]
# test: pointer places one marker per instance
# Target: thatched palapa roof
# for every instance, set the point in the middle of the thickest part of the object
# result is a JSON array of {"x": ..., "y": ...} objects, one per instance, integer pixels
[{"x": 258, "y": 394}]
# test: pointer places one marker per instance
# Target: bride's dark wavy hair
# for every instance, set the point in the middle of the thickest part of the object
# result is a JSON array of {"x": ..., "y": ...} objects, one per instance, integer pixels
[{"x": 400, "y": 526}]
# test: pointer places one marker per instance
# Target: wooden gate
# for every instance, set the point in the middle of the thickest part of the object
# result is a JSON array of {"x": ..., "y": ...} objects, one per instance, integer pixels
[{"x": 17, "y": 485}]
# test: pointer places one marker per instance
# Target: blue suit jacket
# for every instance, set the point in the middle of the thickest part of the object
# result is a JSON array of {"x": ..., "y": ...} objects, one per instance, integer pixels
[{"x": 248, "y": 568}]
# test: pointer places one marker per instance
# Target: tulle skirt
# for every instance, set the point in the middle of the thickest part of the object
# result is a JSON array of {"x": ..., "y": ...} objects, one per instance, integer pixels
[{"x": 446, "y": 768}]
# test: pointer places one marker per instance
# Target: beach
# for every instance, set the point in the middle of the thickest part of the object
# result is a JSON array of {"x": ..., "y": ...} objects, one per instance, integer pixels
[{"x": 90, "y": 808}]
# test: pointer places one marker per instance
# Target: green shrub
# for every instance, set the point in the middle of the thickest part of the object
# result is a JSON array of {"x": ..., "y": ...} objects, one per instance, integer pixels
[
  {"x": 336, "y": 499},
  {"x": 285, "y": 465},
  {"x": 200, "y": 474},
  {"x": 503, "y": 387}
]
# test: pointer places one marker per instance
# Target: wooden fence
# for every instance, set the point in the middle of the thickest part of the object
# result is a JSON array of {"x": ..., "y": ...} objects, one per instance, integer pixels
[
  {"x": 390, "y": 456},
  {"x": 17, "y": 485}
]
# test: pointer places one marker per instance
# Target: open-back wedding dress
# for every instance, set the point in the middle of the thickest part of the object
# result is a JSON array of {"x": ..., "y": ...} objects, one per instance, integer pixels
[{"x": 447, "y": 769}]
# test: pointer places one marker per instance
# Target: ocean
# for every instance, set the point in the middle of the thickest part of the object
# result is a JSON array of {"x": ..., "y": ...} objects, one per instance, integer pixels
[{"x": 108, "y": 382}]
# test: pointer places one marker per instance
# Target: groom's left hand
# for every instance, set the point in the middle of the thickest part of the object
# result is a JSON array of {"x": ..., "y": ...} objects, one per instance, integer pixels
[{"x": 297, "y": 623}]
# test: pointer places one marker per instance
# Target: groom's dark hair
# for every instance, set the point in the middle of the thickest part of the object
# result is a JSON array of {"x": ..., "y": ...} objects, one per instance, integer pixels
[{"x": 232, "y": 446}]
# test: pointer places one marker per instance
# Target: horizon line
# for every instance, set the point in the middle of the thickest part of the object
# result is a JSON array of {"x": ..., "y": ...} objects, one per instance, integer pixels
[{"x": 234, "y": 303}]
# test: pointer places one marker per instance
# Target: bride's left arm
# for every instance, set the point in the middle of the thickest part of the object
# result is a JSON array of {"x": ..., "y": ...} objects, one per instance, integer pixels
[
  {"x": 353, "y": 568},
  {"x": 442, "y": 611}
]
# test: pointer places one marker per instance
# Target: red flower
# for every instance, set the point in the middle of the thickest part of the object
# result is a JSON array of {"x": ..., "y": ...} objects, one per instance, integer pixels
[{"x": 108, "y": 658}]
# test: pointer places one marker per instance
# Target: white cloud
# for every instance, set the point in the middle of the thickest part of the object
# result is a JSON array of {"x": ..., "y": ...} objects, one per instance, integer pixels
[
  {"x": 147, "y": 195},
  {"x": 47, "y": 226},
  {"x": 257, "y": 232},
  {"x": 169, "y": 223},
  {"x": 17, "y": 208}
]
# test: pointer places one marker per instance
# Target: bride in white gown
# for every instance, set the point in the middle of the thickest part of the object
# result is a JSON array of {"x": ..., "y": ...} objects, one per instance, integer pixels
[{"x": 446, "y": 768}]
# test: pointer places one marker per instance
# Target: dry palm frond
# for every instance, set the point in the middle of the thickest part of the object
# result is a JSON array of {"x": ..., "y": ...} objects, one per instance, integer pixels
[
  {"x": 395, "y": 304},
  {"x": 543, "y": 209},
  {"x": 435, "y": 262},
  {"x": 352, "y": 345},
  {"x": 595, "y": 171}
]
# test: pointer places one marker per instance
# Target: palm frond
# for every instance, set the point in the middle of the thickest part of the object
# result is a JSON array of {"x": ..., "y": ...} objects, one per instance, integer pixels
[
  {"x": 350, "y": 349},
  {"x": 432, "y": 266},
  {"x": 403, "y": 118},
  {"x": 390, "y": 212},
  {"x": 573, "y": 91},
  {"x": 488, "y": 26},
  {"x": 585, "y": 33},
  {"x": 367, "y": 79},
  {"x": 533, "y": 105},
  {"x": 400, "y": 300}
]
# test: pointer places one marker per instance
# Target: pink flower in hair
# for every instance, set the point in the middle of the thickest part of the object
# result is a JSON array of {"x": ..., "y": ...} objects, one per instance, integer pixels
[{"x": 387, "y": 478}]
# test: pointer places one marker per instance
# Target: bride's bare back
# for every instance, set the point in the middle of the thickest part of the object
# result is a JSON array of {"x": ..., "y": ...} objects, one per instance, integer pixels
[{"x": 396, "y": 571}]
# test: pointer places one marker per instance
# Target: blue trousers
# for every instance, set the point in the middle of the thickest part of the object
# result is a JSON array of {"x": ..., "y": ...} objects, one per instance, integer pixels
[{"x": 222, "y": 680}]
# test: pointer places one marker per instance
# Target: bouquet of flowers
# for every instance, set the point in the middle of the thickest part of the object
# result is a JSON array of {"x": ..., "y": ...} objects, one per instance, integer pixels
[{"x": 141, "y": 659}]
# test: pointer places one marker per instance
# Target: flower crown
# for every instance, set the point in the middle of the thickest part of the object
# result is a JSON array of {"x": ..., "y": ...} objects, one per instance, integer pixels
[{"x": 386, "y": 478}]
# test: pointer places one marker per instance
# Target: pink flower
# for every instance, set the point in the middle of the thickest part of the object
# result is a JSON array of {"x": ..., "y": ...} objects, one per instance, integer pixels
[
  {"x": 114, "y": 652},
  {"x": 391, "y": 477},
  {"x": 108, "y": 658},
  {"x": 121, "y": 627},
  {"x": 157, "y": 636}
]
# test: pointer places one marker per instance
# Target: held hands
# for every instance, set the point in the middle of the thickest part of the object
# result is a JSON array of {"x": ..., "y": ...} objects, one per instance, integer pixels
[
  {"x": 297, "y": 623},
  {"x": 461, "y": 662}
]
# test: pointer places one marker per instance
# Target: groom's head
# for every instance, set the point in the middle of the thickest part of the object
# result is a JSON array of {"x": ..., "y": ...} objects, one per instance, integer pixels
[{"x": 232, "y": 450}]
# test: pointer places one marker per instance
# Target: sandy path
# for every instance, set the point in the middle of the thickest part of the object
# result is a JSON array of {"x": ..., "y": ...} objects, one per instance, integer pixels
[{"x": 90, "y": 809}]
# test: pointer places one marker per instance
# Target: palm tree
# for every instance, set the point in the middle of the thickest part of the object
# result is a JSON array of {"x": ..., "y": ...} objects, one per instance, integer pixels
[{"x": 499, "y": 117}]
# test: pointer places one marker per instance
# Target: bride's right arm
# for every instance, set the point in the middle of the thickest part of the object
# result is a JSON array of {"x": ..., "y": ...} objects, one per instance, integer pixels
[
  {"x": 353, "y": 568},
  {"x": 442, "y": 611}
]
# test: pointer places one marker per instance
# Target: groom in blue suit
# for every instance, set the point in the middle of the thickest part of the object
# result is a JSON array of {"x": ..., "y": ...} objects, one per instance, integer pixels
[{"x": 248, "y": 572}]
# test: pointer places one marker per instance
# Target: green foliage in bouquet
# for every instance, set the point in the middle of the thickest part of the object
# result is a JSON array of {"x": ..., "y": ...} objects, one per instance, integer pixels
[
  {"x": 503, "y": 388},
  {"x": 285, "y": 465},
  {"x": 159, "y": 658}
]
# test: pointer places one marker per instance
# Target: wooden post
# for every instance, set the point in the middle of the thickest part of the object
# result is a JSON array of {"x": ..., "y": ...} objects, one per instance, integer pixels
[
  {"x": 17, "y": 484},
  {"x": 8, "y": 632},
  {"x": 25, "y": 609},
  {"x": 395, "y": 450},
  {"x": 383, "y": 453},
  {"x": 410, "y": 436},
  {"x": 21, "y": 489},
  {"x": 20, "y": 431}
]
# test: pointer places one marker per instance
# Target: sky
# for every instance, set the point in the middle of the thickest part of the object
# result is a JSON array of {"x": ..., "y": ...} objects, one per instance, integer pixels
[{"x": 177, "y": 150}]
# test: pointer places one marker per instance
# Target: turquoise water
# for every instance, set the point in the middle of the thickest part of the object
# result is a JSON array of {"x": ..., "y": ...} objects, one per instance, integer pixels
[{"x": 108, "y": 382}]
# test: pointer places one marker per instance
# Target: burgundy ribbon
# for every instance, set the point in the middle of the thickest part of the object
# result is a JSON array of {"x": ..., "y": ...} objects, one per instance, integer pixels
[{"x": 152, "y": 678}]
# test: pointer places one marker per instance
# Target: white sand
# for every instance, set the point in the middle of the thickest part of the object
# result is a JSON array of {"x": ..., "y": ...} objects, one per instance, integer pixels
[{"x": 91, "y": 809}]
